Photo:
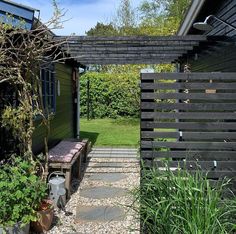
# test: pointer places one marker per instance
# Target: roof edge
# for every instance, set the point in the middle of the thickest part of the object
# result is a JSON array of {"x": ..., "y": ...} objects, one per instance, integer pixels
[
  {"x": 19, "y": 5},
  {"x": 190, "y": 17}
]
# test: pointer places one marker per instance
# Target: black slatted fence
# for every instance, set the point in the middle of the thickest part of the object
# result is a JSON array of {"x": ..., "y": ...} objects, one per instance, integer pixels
[{"x": 190, "y": 119}]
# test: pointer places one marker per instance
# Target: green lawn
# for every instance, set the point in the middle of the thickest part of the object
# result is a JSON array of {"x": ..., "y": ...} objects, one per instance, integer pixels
[{"x": 111, "y": 132}]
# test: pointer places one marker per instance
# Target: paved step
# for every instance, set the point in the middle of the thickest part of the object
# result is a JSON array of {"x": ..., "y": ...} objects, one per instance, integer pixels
[
  {"x": 106, "y": 177},
  {"x": 114, "y": 153},
  {"x": 109, "y": 176},
  {"x": 99, "y": 214},
  {"x": 114, "y": 148},
  {"x": 109, "y": 164}
]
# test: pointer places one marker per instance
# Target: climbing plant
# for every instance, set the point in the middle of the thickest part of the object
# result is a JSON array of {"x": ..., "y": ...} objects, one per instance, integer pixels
[{"x": 22, "y": 53}]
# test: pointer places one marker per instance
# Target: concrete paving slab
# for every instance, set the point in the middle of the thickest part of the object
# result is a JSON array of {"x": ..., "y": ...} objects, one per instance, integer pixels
[
  {"x": 109, "y": 164},
  {"x": 99, "y": 214},
  {"x": 107, "y": 177}
]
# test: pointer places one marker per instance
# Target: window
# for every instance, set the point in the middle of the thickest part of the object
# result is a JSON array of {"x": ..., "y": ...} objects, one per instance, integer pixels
[{"x": 48, "y": 89}]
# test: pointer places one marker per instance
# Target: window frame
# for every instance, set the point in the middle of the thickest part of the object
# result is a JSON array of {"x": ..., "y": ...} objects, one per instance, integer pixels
[{"x": 48, "y": 88}]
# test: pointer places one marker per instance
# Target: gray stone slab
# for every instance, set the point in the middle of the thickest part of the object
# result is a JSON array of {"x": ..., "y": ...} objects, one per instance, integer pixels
[
  {"x": 107, "y": 177},
  {"x": 113, "y": 156},
  {"x": 103, "y": 192},
  {"x": 109, "y": 164},
  {"x": 99, "y": 214}
]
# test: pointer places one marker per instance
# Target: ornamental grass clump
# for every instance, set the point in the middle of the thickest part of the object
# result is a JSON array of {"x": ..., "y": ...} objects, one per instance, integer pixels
[{"x": 179, "y": 202}]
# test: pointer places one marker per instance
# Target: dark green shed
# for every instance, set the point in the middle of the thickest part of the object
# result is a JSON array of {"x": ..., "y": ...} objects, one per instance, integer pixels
[{"x": 64, "y": 114}]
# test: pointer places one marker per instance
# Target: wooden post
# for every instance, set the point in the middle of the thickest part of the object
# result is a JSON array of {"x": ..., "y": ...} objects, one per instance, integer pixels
[
  {"x": 88, "y": 99},
  {"x": 142, "y": 109}
]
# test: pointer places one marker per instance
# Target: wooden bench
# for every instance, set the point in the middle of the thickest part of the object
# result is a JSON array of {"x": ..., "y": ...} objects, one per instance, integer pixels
[{"x": 66, "y": 154}]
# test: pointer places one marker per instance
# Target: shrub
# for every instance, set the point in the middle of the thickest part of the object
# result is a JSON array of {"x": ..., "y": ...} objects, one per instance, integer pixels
[
  {"x": 21, "y": 192},
  {"x": 183, "y": 203},
  {"x": 111, "y": 95}
]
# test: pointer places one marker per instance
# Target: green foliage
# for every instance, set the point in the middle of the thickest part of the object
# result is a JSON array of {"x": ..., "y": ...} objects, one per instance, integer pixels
[
  {"x": 184, "y": 203},
  {"x": 21, "y": 192},
  {"x": 102, "y": 29},
  {"x": 153, "y": 18},
  {"x": 111, "y": 94},
  {"x": 161, "y": 17},
  {"x": 19, "y": 121},
  {"x": 125, "y": 19}
]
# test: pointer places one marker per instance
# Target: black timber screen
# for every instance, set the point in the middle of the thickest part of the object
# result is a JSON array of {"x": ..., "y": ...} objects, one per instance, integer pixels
[{"x": 190, "y": 119}]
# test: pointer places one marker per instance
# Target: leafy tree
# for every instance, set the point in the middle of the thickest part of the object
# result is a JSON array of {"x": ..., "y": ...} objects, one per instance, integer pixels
[
  {"x": 102, "y": 29},
  {"x": 125, "y": 19},
  {"x": 162, "y": 17}
]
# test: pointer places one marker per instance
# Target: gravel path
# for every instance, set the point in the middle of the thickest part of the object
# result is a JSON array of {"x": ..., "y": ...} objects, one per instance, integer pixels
[{"x": 102, "y": 202}]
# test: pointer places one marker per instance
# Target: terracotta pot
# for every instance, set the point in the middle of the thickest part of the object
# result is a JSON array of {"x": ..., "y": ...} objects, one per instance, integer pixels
[{"x": 45, "y": 214}]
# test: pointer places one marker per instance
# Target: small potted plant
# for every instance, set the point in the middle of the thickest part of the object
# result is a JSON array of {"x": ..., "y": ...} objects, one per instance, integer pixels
[
  {"x": 45, "y": 213},
  {"x": 21, "y": 190}
]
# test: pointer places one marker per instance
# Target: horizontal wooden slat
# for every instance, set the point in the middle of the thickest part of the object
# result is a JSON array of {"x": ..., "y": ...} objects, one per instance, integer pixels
[
  {"x": 189, "y": 125},
  {"x": 189, "y": 145},
  {"x": 123, "y": 48},
  {"x": 201, "y": 165},
  {"x": 211, "y": 174},
  {"x": 123, "y": 61},
  {"x": 189, "y": 115},
  {"x": 190, "y": 135},
  {"x": 193, "y": 154},
  {"x": 113, "y": 43},
  {"x": 198, "y": 96},
  {"x": 189, "y": 106},
  {"x": 189, "y": 76},
  {"x": 133, "y": 38},
  {"x": 191, "y": 86},
  {"x": 125, "y": 55}
]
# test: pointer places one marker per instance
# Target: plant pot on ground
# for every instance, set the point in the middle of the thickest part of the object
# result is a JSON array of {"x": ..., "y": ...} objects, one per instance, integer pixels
[
  {"x": 21, "y": 191},
  {"x": 45, "y": 213}
]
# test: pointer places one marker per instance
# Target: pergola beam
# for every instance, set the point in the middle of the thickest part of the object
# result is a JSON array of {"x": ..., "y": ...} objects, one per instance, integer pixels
[
  {"x": 130, "y": 50},
  {"x": 133, "y": 38}
]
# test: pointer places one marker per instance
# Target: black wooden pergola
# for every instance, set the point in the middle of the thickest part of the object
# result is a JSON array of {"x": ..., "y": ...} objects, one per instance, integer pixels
[
  {"x": 133, "y": 49},
  {"x": 195, "y": 121}
]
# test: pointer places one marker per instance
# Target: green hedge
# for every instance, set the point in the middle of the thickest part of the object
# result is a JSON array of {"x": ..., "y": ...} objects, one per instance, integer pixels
[{"x": 111, "y": 95}]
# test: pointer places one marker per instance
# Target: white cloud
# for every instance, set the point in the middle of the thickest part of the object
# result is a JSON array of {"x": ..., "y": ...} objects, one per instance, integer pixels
[{"x": 80, "y": 17}]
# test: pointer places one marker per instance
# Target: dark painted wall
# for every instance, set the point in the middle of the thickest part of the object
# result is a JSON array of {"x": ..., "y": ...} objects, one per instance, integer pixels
[
  {"x": 227, "y": 12},
  {"x": 223, "y": 57},
  {"x": 62, "y": 122}
]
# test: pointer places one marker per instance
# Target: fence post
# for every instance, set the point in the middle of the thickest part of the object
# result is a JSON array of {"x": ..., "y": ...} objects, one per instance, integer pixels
[
  {"x": 88, "y": 99},
  {"x": 142, "y": 109}
]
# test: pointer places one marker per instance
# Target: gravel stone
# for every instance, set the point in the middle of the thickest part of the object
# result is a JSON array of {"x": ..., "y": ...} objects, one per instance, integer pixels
[{"x": 65, "y": 224}]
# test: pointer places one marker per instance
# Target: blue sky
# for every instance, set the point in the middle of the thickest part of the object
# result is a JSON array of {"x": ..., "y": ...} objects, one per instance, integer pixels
[{"x": 81, "y": 15}]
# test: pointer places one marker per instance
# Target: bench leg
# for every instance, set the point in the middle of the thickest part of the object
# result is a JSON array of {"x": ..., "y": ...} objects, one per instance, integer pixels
[
  {"x": 79, "y": 166},
  {"x": 67, "y": 183},
  {"x": 85, "y": 150}
]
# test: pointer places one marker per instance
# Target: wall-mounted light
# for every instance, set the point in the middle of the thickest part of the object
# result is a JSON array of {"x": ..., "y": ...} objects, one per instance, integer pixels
[{"x": 205, "y": 26}]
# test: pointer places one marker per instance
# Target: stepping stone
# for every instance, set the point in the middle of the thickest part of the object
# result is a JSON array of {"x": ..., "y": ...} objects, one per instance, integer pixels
[
  {"x": 99, "y": 214},
  {"x": 107, "y": 177},
  {"x": 109, "y": 164},
  {"x": 103, "y": 192}
]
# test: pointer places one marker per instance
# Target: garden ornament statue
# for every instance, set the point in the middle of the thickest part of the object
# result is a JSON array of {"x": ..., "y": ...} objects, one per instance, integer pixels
[{"x": 205, "y": 26}]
